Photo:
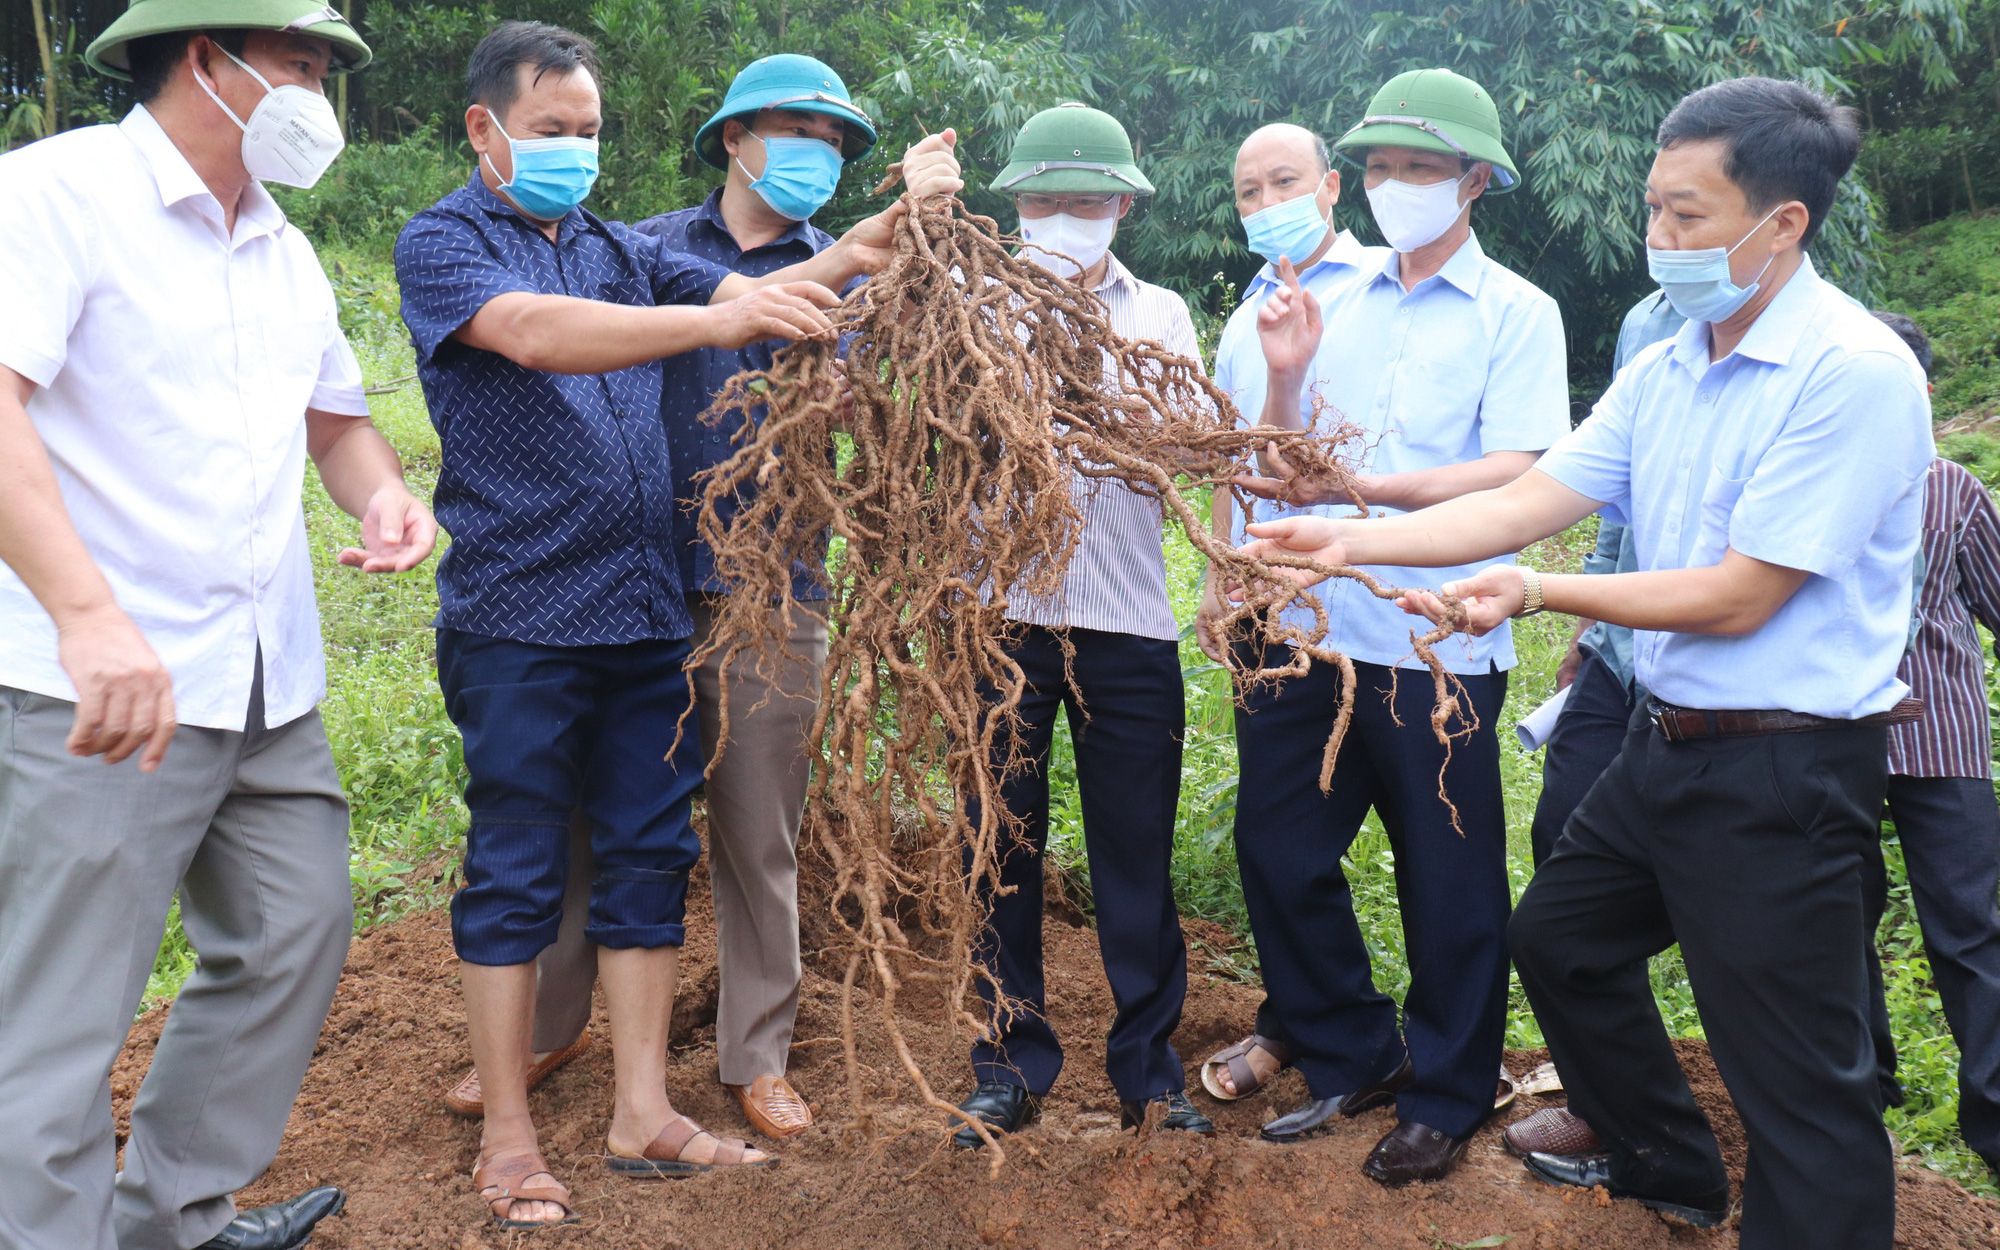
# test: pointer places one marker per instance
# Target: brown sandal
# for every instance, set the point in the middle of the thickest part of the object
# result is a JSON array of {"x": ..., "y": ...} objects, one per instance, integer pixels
[
  {"x": 662, "y": 1159},
  {"x": 469, "y": 1100},
  {"x": 1237, "y": 1059},
  {"x": 508, "y": 1179},
  {"x": 773, "y": 1107}
]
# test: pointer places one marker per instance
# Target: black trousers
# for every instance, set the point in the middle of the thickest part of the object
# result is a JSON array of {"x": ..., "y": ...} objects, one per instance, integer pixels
[
  {"x": 1754, "y": 852},
  {"x": 1320, "y": 996},
  {"x": 1950, "y": 831},
  {"x": 1586, "y": 739},
  {"x": 1127, "y": 715}
]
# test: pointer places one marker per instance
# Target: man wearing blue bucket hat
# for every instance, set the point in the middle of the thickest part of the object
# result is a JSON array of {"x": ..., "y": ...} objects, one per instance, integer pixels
[{"x": 784, "y": 132}]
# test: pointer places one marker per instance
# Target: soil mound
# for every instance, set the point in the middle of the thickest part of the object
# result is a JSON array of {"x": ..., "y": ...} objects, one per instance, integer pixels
[{"x": 370, "y": 1120}]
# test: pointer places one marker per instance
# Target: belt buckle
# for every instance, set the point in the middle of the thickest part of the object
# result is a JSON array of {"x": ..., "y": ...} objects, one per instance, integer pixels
[{"x": 1664, "y": 723}]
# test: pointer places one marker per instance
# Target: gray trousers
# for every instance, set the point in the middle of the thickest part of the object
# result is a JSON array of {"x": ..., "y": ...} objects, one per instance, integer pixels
[
  {"x": 252, "y": 829},
  {"x": 756, "y": 796}
]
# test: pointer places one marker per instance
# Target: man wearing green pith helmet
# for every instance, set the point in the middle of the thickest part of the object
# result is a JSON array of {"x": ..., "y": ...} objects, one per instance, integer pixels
[
  {"x": 1453, "y": 367},
  {"x": 1104, "y": 650},
  {"x": 170, "y": 355}
]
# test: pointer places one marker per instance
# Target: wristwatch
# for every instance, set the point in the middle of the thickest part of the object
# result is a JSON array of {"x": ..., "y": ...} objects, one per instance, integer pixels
[{"x": 1531, "y": 591}]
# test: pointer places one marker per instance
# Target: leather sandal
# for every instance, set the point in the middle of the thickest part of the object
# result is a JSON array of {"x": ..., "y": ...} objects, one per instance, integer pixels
[
  {"x": 469, "y": 1100},
  {"x": 662, "y": 1160},
  {"x": 773, "y": 1107},
  {"x": 1236, "y": 1059},
  {"x": 1507, "y": 1091},
  {"x": 507, "y": 1179}
]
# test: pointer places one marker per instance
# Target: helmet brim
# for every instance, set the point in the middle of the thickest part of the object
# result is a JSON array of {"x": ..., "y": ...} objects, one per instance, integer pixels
[
  {"x": 107, "y": 53},
  {"x": 858, "y": 136},
  {"x": 1071, "y": 178},
  {"x": 1470, "y": 144}
]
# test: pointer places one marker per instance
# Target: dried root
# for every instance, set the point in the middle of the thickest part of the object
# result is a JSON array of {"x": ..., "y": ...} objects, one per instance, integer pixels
[{"x": 975, "y": 389}]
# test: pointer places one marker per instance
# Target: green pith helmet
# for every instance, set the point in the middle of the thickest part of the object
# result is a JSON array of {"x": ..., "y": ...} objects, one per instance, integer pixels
[
  {"x": 106, "y": 53},
  {"x": 1071, "y": 148},
  {"x": 1438, "y": 111}
]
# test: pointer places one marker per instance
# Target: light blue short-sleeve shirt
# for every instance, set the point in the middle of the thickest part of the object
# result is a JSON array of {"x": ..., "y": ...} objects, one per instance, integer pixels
[
  {"x": 1472, "y": 361},
  {"x": 1805, "y": 447}
]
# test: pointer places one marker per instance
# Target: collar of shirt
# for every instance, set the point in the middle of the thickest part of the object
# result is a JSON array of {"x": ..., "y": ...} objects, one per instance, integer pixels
[
  {"x": 1115, "y": 274},
  {"x": 709, "y": 215},
  {"x": 256, "y": 212},
  {"x": 1346, "y": 251},
  {"x": 1772, "y": 338},
  {"x": 492, "y": 205},
  {"x": 1465, "y": 270}
]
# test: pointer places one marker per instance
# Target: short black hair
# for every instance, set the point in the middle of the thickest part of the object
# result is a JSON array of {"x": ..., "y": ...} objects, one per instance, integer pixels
[
  {"x": 1786, "y": 141},
  {"x": 1913, "y": 337},
  {"x": 152, "y": 57},
  {"x": 490, "y": 76}
]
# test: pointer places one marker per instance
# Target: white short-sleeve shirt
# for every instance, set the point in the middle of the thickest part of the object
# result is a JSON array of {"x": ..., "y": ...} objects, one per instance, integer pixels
[
  {"x": 174, "y": 364},
  {"x": 1805, "y": 447}
]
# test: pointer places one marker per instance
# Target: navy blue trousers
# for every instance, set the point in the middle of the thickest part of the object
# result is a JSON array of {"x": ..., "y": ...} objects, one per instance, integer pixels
[
  {"x": 1950, "y": 831},
  {"x": 1320, "y": 996},
  {"x": 1587, "y": 737},
  {"x": 551, "y": 729},
  {"x": 1126, "y": 716}
]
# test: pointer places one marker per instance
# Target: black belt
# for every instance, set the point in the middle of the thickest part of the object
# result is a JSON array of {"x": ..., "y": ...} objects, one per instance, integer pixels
[{"x": 1679, "y": 724}]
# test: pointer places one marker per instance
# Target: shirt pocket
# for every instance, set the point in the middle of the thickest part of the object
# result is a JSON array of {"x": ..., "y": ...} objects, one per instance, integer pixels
[{"x": 1718, "y": 505}]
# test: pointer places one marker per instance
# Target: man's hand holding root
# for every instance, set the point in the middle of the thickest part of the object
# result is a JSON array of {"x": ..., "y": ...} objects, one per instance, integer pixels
[
  {"x": 1283, "y": 483},
  {"x": 788, "y": 310},
  {"x": 1297, "y": 538},
  {"x": 1490, "y": 597},
  {"x": 929, "y": 168}
]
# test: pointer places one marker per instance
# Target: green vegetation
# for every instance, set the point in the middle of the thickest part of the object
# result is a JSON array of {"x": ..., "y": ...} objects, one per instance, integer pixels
[{"x": 1947, "y": 277}]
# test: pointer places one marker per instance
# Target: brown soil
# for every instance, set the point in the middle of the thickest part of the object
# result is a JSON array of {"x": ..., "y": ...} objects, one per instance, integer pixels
[{"x": 369, "y": 1119}]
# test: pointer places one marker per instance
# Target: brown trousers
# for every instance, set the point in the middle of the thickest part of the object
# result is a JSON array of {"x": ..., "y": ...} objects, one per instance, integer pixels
[{"x": 756, "y": 797}]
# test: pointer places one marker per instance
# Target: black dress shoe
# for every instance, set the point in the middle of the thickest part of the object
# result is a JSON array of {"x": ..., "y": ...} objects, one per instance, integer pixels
[
  {"x": 1590, "y": 1171},
  {"x": 280, "y": 1226},
  {"x": 1002, "y": 1107},
  {"x": 1181, "y": 1115},
  {"x": 1316, "y": 1116},
  {"x": 1414, "y": 1152}
]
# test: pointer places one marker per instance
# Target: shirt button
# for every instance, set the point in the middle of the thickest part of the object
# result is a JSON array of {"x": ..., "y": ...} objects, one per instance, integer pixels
[
  {"x": 1403, "y": 311},
  {"x": 1706, "y": 397}
]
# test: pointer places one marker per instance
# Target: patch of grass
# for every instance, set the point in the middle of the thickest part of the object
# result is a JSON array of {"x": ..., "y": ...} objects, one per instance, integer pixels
[{"x": 1947, "y": 277}]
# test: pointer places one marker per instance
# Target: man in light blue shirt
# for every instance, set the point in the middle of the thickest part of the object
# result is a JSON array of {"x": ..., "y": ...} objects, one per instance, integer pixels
[
  {"x": 1769, "y": 461},
  {"x": 1452, "y": 368}
]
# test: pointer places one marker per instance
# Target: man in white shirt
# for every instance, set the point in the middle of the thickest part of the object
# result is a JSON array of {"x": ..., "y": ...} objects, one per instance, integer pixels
[
  {"x": 1104, "y": 652},
  {"x": 169, "y": 356},
  {"x": 1453, "y": 367}
]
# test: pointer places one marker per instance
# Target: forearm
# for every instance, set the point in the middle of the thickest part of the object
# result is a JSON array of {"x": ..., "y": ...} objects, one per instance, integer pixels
[
  {"x": 354, "y": 461},
  {"x": 1465, "y": 530},
  {"x": 833, "y": 269},
  {"x": 560, "y": 334},
  {"x": 1282, "y": 406},
  {"x": 1423, "y": 488},
  {"x": 1708, "y": 600},
  {"x": 37, "y": 540}
]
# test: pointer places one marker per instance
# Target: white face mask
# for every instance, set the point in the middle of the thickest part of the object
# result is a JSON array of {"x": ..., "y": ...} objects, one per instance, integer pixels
[
  {"x": 293, "y": 134},
  {"x": 1066, "y": 245},
  {"x": 1410, "y": 215}
]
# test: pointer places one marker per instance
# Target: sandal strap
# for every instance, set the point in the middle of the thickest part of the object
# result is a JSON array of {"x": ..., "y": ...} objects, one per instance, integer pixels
[
  {"x": 672, "y": 1140},
  {"x": 729, "y": 1151},
  {"x": 507, "y": 1179}
]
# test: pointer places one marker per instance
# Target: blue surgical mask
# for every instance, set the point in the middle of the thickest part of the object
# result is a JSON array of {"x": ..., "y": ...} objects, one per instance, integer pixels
[
  {"x": 1292, "y": 230},
  {"x": 1697, "y": 280},
  {"x": 551, "y": 176},
  {"x": 799, "y": 175}
]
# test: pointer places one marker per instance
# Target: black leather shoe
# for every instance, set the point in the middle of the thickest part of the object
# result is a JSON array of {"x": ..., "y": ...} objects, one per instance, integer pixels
[
  {"x": 1315, "y": 1117},
  {"x": 1181, "y": 1115},
  {"x": 280, "y": 1226},
  {"x": 1590, "y": 1171},
  {"x": 1002, "y": 1107},
  {"x": 1414, "y": 1152}
]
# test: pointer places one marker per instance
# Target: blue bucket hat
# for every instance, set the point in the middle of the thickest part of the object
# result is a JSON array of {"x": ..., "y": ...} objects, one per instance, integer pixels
[{"x": 787, "y": 81}]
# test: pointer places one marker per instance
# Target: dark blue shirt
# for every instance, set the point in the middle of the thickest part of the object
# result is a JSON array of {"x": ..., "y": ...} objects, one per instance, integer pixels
[
  {"x": 692, "y": 379},
  {"x": 557, "y": 489}
]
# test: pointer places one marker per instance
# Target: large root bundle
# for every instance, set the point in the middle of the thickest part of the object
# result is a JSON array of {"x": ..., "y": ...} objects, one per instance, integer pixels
[{"x": 976, "y": 389}]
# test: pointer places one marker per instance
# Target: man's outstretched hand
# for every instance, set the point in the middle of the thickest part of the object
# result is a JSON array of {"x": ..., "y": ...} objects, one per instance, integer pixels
[
  {"x": 397, "y": 533},
  {"x": 1490, "y": 597},
  {"x": 1311, "y": 537},
  {"x": 124, "y": 695},
  {"x": 786, "y": 310}
]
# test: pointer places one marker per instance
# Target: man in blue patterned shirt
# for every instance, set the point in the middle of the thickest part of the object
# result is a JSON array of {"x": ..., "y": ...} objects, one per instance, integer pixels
[{"x": 562, "y": 631}]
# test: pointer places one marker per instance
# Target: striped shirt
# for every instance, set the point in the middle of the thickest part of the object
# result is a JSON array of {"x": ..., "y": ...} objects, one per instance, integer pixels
[
  {"x": 1946, "y": 666},
  {"x": 1117, "y": 580}
]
